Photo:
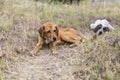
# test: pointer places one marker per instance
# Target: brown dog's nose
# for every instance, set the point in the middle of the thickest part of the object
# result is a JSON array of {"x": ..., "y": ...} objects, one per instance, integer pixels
[{"x": 54, "y": 38}]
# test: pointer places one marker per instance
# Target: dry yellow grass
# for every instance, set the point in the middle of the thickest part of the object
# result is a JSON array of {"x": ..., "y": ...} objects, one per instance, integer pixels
[{"x": 96, "y": 60}]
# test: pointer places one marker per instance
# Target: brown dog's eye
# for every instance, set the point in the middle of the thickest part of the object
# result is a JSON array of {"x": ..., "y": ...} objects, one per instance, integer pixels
[
  {"x": 48, "y": 31},
  {"x": 54, "y": 30}
]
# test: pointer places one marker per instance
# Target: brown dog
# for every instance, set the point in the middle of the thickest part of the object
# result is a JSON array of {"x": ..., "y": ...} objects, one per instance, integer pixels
[{"x": 51, "y": 34}]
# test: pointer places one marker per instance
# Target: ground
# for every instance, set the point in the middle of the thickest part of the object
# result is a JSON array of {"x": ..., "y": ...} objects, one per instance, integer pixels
[{"x": 93, "y": 60}]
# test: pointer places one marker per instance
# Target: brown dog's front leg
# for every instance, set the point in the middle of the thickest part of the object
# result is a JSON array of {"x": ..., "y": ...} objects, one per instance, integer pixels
[
  {"x": 38, "y": 46},
  {"x": 54, "y": 44},
  {"x": 53, "y": 47}
]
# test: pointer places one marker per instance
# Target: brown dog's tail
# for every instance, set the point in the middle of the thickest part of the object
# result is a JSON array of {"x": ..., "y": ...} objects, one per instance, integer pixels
[
  {"x": 92, "y": 38},
  {"x": 83, "y": 38}
]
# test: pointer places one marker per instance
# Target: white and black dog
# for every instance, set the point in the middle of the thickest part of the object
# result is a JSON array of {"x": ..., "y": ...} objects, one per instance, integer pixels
[{"x": 101, "y": 26}]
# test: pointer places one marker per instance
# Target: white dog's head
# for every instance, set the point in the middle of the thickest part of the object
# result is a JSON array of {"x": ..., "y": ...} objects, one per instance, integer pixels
[{"x": 101, "y": 26}]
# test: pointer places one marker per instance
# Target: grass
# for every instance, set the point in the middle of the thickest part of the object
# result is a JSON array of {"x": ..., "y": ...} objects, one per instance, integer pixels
[
  {"x": 96, "y": 60},
  {"x": 6, "y": 26},
  {"x": 60, "y": 14},
  {"x": 3, "y": 67}
]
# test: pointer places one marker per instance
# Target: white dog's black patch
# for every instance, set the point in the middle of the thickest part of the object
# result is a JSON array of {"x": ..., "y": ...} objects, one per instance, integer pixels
[{"x": 101, "y": 26}]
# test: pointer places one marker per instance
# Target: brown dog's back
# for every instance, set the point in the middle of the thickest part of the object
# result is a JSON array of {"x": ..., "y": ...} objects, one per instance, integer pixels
[{"x": 71, "y": 35}]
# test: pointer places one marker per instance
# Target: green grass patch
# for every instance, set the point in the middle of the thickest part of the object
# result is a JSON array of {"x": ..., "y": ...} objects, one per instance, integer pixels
[
  {"x": 3, "y": 67},
  {"x": 6, "y": 26}
]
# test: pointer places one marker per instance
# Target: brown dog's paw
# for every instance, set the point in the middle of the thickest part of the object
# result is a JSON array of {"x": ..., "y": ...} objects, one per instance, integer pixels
[
  {"x": 54, "y": 52},
  {"x": 32, "y": 53},
  {"x": 72, "y": 45}
]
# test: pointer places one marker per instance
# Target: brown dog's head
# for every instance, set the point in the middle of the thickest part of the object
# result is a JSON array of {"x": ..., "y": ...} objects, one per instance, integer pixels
[{"x": 49, "y": 32}]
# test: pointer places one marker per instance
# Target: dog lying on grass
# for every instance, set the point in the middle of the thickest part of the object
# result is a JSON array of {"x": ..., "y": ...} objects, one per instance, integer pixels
[
  {"x": 101, "y": 26},
  {"x": 51, "y": 34}
]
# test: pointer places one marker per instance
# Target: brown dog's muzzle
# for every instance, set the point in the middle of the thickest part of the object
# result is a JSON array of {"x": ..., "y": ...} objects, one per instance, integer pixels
[{"x": 54, "y": 38}]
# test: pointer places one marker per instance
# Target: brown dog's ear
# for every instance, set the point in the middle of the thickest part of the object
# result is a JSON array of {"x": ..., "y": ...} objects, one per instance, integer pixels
[
  {"x": 57, "y": 30},
  {"x": 41, "y": 31}
]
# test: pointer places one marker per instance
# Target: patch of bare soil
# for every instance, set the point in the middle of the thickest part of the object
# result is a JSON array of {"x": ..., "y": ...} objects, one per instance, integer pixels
[{"x": 46, "y": 65}]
